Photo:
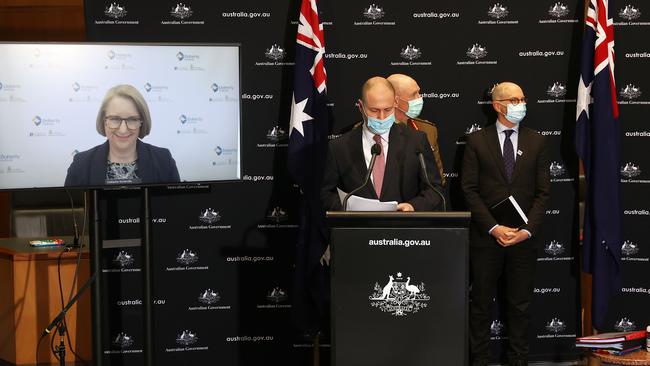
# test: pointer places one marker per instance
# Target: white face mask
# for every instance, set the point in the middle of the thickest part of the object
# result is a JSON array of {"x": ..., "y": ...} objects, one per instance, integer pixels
[
  {"x": 376, "y": 125},
  {"x": 415, "y": 107},
  {"x": 516, "y": 113},
  {"x": 381, "y": 126}
]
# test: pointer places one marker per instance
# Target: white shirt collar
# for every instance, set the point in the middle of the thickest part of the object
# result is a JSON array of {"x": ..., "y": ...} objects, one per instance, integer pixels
[
  {"x": 501, "y": 127},
  {"x": 369, "y": 135}
]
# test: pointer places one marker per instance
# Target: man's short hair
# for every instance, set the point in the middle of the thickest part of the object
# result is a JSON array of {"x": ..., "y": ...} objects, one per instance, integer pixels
[
  {"x": 127, "y": 92},
  {"x": 373, "y": 82}
]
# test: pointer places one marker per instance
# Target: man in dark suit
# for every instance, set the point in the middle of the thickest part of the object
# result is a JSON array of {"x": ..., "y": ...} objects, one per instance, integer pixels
[
  {"x": 501, "y": 160},
  {"x": 407, "y": 111},
  {"x": 397, "y": 175}
]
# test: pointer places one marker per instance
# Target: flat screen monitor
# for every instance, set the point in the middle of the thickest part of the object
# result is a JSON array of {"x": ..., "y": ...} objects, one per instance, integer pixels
[{"x": 98, "y": 115}]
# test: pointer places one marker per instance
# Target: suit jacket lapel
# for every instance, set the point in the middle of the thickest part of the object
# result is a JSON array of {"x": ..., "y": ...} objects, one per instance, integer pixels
[
  {"x": 145, "y": 170},
  {"x": 98, "y": 166},
  {"x": 495, "y": 149},
  {"x": 391, "y": 187},
  {"x": 359, "y": 161}
]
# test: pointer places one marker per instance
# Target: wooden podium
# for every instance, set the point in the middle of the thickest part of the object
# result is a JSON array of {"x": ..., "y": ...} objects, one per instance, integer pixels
[
  {"x": 399, "y": 288},
  {"x": 30, "y": 299}
]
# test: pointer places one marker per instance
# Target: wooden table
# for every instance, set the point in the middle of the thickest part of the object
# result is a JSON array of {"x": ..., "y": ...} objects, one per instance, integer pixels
[
  {"x": 635, "y": 358},
  {"x": 30, "y": 299}
]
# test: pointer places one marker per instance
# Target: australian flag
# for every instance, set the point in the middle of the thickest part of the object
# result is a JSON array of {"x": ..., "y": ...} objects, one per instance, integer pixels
[
  {"x": 597, "y": 143},
  {"x": 306, "y": 162}
]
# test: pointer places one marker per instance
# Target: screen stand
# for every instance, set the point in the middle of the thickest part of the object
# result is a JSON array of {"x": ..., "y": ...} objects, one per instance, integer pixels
[
  {"x": 147, "y": 300},
  {"x": 96, "y": 267},
  {"x": 96, "y": 247}
]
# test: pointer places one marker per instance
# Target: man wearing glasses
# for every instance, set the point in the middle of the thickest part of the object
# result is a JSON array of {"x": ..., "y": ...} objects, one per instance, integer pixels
[
  {"x": 502, "y": 160},
  {"x": 124, "y": 119}
]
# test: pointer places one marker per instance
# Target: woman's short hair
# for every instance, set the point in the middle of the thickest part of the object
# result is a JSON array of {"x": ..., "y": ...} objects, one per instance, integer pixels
[{"x": 128, "y": 92}]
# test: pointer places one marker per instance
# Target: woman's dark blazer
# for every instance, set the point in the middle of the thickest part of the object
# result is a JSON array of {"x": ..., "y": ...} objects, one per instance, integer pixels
[{"x": 155, "y": 165}]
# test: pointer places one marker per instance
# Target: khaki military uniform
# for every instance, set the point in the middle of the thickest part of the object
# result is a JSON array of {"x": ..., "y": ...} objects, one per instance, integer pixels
[{"x": 430, "y": 129}]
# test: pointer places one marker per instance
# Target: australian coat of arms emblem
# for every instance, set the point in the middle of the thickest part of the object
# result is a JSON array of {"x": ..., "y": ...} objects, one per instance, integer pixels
[{"x": 400, "y": 296}]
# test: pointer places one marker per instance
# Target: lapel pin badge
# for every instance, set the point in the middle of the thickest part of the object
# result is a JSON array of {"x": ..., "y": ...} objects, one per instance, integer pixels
[{"x": 520, "y": 153}]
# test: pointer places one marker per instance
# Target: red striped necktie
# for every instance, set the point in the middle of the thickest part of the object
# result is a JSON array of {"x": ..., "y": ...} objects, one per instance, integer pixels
[{"x": 379, "y": 167}]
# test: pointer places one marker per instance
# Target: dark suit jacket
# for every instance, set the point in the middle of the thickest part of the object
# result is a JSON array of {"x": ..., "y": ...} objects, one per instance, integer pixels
[
  {"x": 155, "y": 165},
  {"x": 403, "y": 177},
  {"x": 484, "y": 181}
]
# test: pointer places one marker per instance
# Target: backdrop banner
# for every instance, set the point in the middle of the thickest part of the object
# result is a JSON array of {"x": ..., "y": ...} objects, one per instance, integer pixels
[
  {"x": 223, "y": 254},
  {"x": 627, "y": 311}
]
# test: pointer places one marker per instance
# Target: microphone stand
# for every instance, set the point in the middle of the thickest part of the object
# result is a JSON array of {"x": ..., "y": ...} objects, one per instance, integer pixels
[
  {"x": 60, "y": 349},
  {"x": 58, "y": 320},
  {"x": 375, "y": 150},
  {"x": 428, "y": 183}
]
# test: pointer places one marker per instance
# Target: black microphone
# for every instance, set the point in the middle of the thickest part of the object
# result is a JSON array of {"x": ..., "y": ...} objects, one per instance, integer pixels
[
  {"x": 61, "y": 315},
  {"x": 426, "y": 178},
  {"x": 375, "y": 150}
]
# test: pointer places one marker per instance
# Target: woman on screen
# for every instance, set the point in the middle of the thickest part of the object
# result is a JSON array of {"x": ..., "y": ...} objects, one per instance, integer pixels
[{"x": 124, "y": 119}]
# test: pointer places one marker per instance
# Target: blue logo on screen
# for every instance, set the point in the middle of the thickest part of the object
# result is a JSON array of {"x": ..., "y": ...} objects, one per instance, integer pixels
[
  {"x": 180, "y": 56},
  {"x": 37, "y": 120},
  {"x": 76, "y": 86},
  {"x": 214, "y": 87},
  {"x": 182, "y": 118},
  {"x": 147, "y": 87}
]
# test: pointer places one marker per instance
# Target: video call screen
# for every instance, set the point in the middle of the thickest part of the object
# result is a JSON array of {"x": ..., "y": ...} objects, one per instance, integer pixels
[{"x": 74, "y": 115}]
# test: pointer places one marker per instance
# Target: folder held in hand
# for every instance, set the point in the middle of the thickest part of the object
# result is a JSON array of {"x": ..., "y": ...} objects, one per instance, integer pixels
[{"x": 509, "y": 213}]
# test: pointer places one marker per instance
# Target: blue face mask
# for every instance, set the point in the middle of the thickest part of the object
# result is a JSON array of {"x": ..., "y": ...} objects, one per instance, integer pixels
[
  {"x": 415, "y": 107},
  {"x": 516, "y": 113},
  {"x": 381, "y": 126}
]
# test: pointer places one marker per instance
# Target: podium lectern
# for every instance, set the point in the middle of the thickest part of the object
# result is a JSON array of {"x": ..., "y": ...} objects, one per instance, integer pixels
[{"x": 399, "y": 288}]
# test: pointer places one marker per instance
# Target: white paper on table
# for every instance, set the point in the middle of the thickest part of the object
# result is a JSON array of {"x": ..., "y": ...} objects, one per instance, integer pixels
[{"x": 356, "y": 203}]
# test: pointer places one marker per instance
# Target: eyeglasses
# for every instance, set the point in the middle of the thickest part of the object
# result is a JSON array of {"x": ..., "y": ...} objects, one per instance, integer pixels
[
  {"x": 132, "y": 123},
  {"x": 513, "y": 101}
]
